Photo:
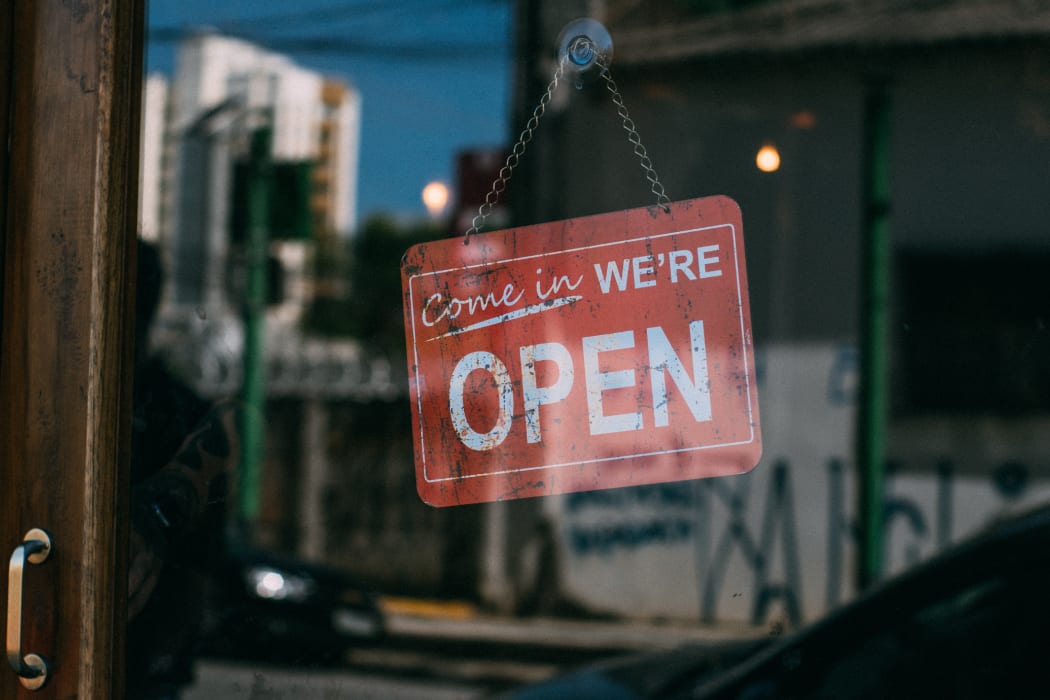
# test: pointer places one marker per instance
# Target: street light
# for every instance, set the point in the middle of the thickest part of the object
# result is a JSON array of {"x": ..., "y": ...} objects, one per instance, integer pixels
[
  {"x": 768, "y": 158},
  {"x": 435, "y": 197}
]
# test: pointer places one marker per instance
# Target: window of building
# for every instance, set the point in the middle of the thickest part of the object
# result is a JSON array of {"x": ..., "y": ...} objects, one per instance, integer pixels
[{"x": 973, "y": 334}]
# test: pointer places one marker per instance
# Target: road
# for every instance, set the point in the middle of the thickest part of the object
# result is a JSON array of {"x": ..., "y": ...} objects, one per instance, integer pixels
[
  {"x": 219, "y": 680},
  {"x": 431, "y": 654},
  {"x": 426, "y": 669}
]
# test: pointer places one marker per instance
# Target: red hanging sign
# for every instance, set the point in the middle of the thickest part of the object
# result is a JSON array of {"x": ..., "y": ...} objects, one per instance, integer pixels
[{"x": 605, "y": 351}]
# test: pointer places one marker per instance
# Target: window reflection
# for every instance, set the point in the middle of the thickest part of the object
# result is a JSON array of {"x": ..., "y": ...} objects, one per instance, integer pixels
[{"x": 319, "y": 549}]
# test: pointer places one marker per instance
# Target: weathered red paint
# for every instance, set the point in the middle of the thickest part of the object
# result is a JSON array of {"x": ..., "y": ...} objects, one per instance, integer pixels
[{"x": 598, "y": 352}]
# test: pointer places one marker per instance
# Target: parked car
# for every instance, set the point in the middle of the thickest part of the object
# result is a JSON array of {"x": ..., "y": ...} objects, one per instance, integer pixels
[
  {"x": 277, "y": 607},
  {"x": 969, "y": 623}
]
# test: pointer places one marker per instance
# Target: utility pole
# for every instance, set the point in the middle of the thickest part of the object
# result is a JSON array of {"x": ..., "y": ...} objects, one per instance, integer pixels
[
  {"x": 872, "y": 410},
  {"x": 259, "y": 178}
]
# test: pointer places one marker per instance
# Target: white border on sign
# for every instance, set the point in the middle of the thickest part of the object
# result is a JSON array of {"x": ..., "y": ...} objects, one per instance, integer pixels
[{"x": 743, "y": 347}]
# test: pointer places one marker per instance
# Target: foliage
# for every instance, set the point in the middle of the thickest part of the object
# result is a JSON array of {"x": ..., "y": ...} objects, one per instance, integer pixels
[{"x": 368, "y": 305}]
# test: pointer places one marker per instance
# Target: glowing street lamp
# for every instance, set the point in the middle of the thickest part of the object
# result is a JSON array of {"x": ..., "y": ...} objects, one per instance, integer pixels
[
  {"x": 768, "y": 158},
  {"x": 435, "y": 197}
]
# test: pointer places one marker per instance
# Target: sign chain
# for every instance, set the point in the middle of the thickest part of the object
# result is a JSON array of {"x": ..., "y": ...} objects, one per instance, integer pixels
[
  {"x": 499, "y": 185},
  {"x": 662, "y": 200}
]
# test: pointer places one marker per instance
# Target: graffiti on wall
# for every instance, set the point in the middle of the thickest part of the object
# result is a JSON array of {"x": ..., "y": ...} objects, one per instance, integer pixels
[
  {"x": 778, "y": 543},
  {"x": 762, "y": 532}
]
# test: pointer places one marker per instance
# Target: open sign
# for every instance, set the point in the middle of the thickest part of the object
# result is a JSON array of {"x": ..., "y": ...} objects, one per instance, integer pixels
[{"x": 598, "y": 352}]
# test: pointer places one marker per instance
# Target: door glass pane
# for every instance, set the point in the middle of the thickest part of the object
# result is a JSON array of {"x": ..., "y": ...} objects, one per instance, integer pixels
[{"x": 887, "y": 162}]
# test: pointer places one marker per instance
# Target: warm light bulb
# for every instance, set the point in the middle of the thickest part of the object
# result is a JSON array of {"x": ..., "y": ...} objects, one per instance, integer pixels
[
  {"x": 768, "y": 159},
  {"x": 435, "y": 197}
]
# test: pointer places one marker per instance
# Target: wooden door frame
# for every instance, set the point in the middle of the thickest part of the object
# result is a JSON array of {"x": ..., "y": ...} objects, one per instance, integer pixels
[{"x": 70, "y": 91}]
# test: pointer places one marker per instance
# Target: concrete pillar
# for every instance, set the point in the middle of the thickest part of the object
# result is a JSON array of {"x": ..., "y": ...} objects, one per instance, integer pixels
[
  {"x": 496, "y": 590},
  {"x": 315, "y": 478}
]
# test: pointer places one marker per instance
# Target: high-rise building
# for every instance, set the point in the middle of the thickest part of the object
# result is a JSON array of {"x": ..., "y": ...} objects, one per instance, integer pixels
[
  {"x": 196, "y": 129},
  {"x": 334, "y": 203},
  {"x": 156, "y": 160}
]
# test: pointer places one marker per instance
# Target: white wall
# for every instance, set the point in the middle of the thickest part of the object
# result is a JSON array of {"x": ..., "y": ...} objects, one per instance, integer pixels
[
  {"x": 154, "y": 107},
  {"x": 706, "y": 550},
  {"x": 348, "y": 148}
]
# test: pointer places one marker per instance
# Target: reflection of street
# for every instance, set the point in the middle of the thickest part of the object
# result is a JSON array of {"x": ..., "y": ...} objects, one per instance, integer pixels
[
  {"x": 440, "y": 650},
  {"x": 233, "y": 681}
]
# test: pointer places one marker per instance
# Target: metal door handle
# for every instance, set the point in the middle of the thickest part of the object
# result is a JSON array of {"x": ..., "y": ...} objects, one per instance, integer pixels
[{"x": 31, "y": 668}]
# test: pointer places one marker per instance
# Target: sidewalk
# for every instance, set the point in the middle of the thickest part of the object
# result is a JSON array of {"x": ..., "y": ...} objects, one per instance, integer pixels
[
  {"x": 457, "y": 622},
  {"x": 452, "y": 650}
]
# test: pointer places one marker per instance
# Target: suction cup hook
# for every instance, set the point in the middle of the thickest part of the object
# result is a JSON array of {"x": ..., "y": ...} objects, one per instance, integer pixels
[{"x": 584, "y": 45}]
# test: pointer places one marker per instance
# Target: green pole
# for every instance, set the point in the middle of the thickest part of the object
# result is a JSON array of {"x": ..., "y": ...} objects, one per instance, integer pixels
[
  {"x": 254, "y": 388},
  {"x": 872, "y": 409}
]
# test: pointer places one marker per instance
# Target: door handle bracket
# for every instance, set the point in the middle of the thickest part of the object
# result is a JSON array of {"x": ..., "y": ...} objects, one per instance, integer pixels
[{"x": 32, "y": 669}]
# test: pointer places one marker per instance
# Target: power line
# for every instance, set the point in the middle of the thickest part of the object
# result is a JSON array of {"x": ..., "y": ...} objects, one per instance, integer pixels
[
  {"x": 270, "y": 29},
  {"x": 340, "y": 45},
  {"x": 322, "y": 14},
  {"x": 416, "y": 51},
  {"x": 351, "y": 11}
]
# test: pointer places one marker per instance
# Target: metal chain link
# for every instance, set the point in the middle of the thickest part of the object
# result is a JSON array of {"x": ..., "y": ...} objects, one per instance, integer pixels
[
  {"x": 500, "y": 183},
  {"x": 662, "y": 200}
]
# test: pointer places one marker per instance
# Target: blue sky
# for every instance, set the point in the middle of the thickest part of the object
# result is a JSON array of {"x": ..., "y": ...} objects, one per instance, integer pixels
[{"x": 434, "y": 75}]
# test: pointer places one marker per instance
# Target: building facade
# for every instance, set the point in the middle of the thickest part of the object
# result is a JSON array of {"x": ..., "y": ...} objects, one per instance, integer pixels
[
  {"x": 708, "y": 88},
  {"x": 196, "y": 129}
]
